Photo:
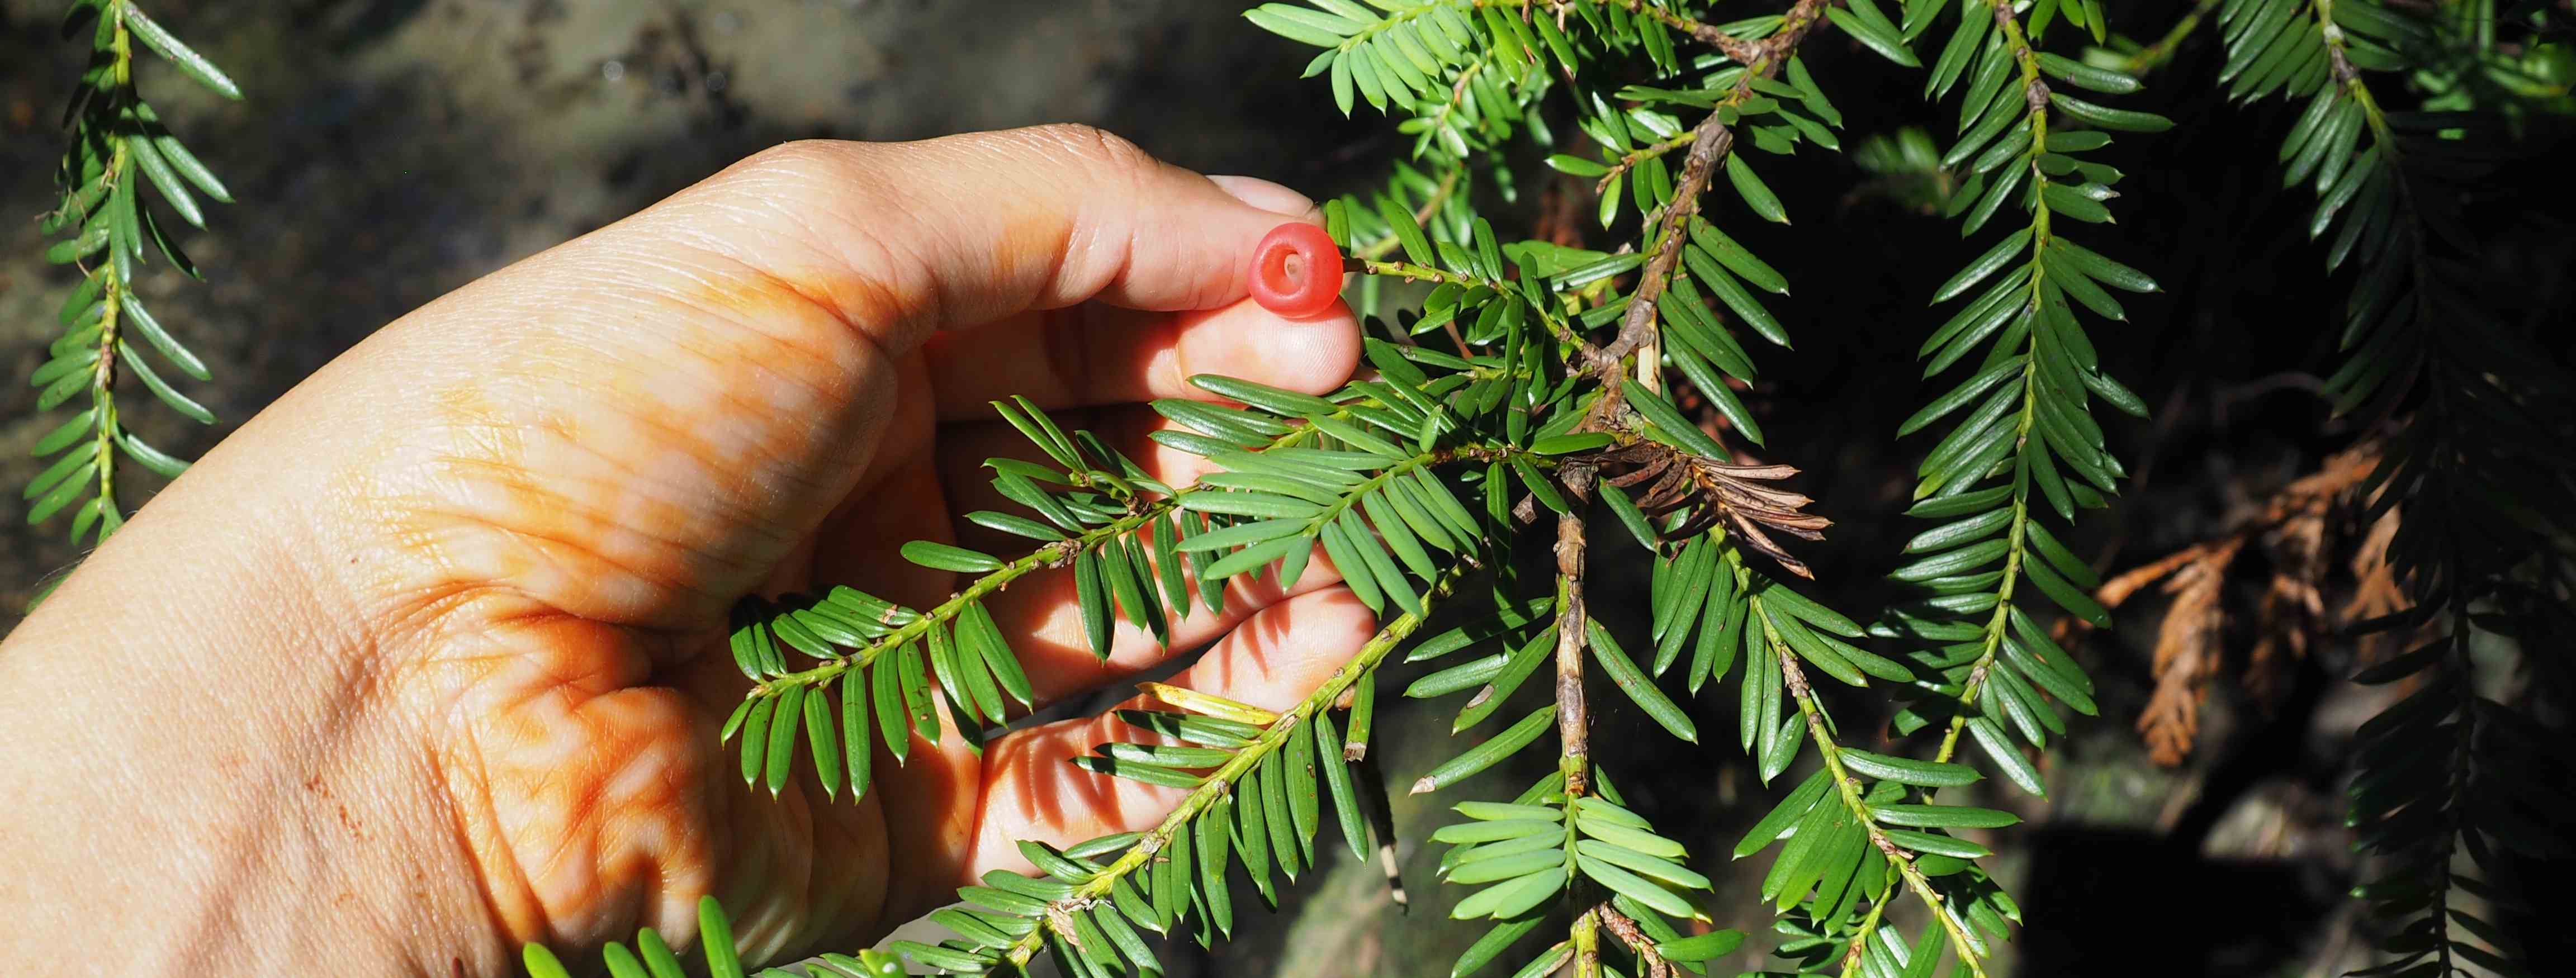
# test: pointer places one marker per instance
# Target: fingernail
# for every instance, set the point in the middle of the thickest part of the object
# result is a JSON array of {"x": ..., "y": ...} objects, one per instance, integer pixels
[{"x": 1266, "y": 195}]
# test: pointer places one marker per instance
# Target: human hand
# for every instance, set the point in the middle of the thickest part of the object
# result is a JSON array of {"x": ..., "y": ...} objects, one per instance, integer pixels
[{"x": 427, "y": 660}]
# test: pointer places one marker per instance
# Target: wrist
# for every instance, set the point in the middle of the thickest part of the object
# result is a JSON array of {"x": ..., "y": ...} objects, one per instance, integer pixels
[{"x": 206, "y": 767}]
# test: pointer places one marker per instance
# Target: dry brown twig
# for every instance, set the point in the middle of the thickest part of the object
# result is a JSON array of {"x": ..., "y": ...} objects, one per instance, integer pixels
[
  {"x": 2297, "y": 529},
  {"x": 1635, "y": 939},
  {"x": 1735, "y": 494},
  {"x": 2187, "y": 653}
]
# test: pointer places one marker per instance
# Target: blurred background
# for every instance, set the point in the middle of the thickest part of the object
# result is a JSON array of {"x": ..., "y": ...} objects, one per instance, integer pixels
[{"x": 392, "y": 150}]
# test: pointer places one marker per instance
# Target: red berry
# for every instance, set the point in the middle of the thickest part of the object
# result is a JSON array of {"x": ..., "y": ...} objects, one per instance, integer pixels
[{"x": 1297, "y": 271}]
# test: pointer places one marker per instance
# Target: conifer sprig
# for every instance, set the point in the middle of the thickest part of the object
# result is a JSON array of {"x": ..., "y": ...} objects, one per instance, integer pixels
[
  {"x": 2480, "y": 542},
  {"x": 2031, "y": 424},
  {"x": 117, "y": 147},
  {"x": 1139, "y": 549}
]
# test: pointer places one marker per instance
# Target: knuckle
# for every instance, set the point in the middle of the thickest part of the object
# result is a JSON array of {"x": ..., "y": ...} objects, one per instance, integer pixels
[
  {"x": 803, "y": 162},
  {"x": 802, "y": 155},
  {"x": 1094, "y": 145}
]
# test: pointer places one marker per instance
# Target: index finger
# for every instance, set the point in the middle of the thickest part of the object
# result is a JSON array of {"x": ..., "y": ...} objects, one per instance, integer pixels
[{"x": 905, "y": 239}]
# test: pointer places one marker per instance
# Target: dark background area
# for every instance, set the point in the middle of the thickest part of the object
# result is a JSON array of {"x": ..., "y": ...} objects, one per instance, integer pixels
[{"x": 391, "y": 150}]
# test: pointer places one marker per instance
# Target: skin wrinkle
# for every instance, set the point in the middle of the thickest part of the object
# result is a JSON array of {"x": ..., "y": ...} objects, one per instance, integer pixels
[
  {"x": 505, "y": 455},
  {"x": 463, "y": 832},
  {"x": 697, "y": 448},
  {"x": 1067, "y": 347},
  {"x": 874, "y": 359},
  {"x": 993, "y": 282},
  {"x": 603, "y": 673},
  {"x": 415, "y": 607},
  {"x": 527, "y": 913},
  {"x": 750, "y": 490},
  {"x": 869, "y": 286},
  {"x": 766, "y": 395},
  {"x": 1142, "y": 172},
  {"x": 754, "y": 296},
  {"x": 579, "y": 788},
  {"x": 646, "y": 527},
  {"x": 532, "y": 544},
  {"x": 595, "y": 694},
  {"x": 564, "y": 538},
  {"x": 1054, "y": 252},
  {"x": 1109, "y": 169},
  {"x": 621, "y": 855},
  {"x": 530, "y": 914},
  {"x": 672, "y": 876},
  {"x": 713, "y": 294}
]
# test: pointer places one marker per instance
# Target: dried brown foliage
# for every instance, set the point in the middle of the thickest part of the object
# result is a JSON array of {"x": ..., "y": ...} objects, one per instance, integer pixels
[
  {"x": 1672, "y": 479},
  {"x": 2297, "y": 530},
  {"x": 2187, "y": 641}
]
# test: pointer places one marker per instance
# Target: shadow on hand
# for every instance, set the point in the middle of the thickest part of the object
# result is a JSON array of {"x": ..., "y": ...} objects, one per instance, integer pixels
[{"x": 1069, "y": 803}]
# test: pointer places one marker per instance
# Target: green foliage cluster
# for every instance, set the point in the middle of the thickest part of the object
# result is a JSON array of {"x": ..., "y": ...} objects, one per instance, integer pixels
[
  {"x": 1537, "y": 392},
  {"x": 117, "y": 146},
  {"x": 651, "y": 957},
  {"x": 1563, "y": 402},
  {"x": 2457, "y": 791},
  {"x": 1560, "y": 404}
]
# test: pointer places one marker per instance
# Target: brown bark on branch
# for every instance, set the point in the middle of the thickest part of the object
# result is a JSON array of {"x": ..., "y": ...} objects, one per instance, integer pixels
[
  {"x": 1710, "y": 143},
  {"x": 1635, "y": 938},
  {"x": 1573, "y": 720}
]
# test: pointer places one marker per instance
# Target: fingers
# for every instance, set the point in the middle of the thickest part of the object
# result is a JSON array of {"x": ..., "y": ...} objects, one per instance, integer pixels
[
  {"x": 1093, "y": 354},
  {"x": 1041, "y": 612},
  {"x": 1032, "y": 791},
  {"x": 1097, "y": 353},
  {"x": 1042, "y": 615},
  {"x": 904, "y": 239}
]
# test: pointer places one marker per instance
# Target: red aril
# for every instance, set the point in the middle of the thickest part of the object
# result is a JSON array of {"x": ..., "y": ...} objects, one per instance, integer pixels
[{"x": 1297, "y": 271}]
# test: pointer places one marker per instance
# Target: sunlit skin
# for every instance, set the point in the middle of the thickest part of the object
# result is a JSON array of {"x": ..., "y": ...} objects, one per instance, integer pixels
[{"x": 427, "y": 659}]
